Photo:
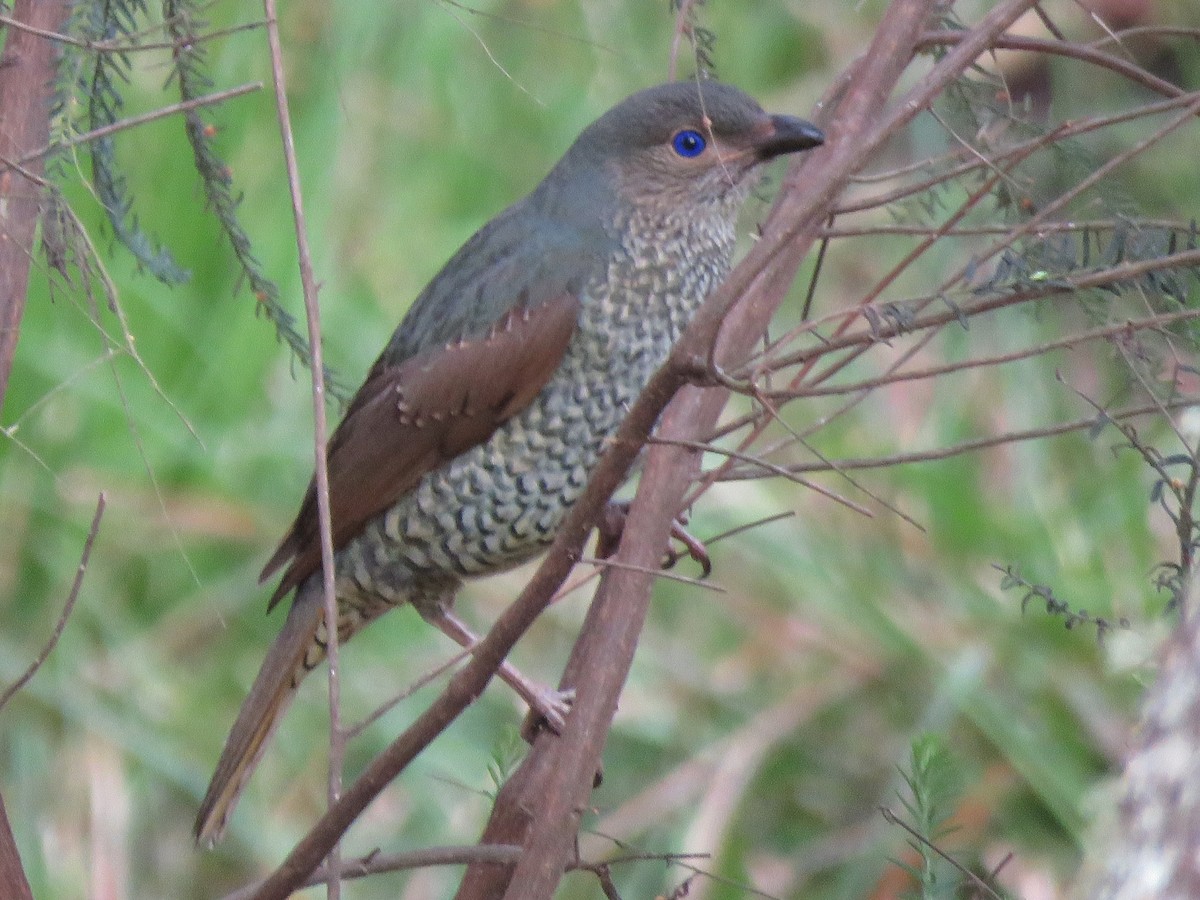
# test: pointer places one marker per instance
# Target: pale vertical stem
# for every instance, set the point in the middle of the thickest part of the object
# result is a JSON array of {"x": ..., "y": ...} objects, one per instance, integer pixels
[{"x": 337, "y": 740}]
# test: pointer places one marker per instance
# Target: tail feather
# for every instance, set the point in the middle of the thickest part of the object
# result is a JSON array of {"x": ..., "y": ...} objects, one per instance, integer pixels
[{"x": 286, "y": 663}]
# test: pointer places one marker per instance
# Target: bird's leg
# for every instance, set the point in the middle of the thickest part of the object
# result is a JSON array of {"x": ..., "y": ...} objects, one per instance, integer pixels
[
  {"x": 611, "y": 526},
  {"x": 548, "y": 703}
]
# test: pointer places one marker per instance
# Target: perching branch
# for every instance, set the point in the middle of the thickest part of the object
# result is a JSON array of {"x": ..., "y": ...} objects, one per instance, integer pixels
[{"x": 540, "y": 805}]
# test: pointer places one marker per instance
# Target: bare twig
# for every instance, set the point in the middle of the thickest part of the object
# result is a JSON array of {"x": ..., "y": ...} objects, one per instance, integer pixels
[
  {"x": 121, "y": 45},
  {"x": 1064, "y": 131},
  {"x": 1075, "y": 226},
  {"x": 766, "y": 467},
  {"x": 1083, "y": 52},
  {"x": 496, "y": 854},
  {"x": 144, "y": 118},
  {"x": 72, "y": 596},
  {"x": 337, "y": 738},
  {"x": 376, "y": 863},
  {"x": 892, "y": 819},
  {"x": 530, "y": 25},
  {"x": 384, "y": 708},
  {"x": 939, "y": 453},
  {"x": 894, "y": 376},
  {"x": 653, "y": 571},
  {"x": 1064, "y": 285},
  {"x": 539, "y": 804},
  {"x": 683, "y": 28}
]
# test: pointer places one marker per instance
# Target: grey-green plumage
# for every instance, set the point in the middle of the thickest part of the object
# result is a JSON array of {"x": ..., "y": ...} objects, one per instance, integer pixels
[{"x": 479, "y": 424}]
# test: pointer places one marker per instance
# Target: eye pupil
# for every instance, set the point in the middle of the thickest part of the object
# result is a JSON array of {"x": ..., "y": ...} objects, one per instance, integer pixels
[{"x": 688, "y": 143}]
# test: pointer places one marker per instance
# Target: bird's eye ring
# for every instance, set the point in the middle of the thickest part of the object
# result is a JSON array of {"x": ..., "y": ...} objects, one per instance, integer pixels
[{"x": 689, "y": 143}]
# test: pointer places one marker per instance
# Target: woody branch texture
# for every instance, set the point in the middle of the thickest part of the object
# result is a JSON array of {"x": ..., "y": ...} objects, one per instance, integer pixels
[{"x": 857, "y": 126}]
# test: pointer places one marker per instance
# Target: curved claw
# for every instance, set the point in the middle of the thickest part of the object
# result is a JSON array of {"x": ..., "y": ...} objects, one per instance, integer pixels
[
  {"x": 611, "y": 526},
  {"x": 693, "y": 547},
  {"x": 548, "y": 708}
]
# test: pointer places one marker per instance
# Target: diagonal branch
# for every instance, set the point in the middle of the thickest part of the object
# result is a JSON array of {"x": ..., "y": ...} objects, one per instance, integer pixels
[
  {"x": 858, "y": 131},
  {"x": 50, "y": 644},
  {"x": 545, "y": 795}
]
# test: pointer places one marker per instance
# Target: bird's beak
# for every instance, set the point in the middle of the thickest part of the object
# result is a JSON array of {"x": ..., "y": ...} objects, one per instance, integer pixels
[{"x": 788, "y": 134}]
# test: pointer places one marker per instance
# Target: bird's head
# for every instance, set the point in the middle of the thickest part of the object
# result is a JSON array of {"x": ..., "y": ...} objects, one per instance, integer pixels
[{"x": 684, "y": 145}]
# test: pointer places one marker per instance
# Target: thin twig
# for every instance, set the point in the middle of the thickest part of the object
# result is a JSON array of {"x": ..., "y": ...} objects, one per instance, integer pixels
[
  {"x": 121, "y": 46},
  {"x": 499, "y": 854},
  {"x": 864, "y": 119},
  {"x": 749, "y": 526},
  {"x": 768, "y": 467},
  {"x": 153, "y": 115},
  {"x": 61, "y": 624},
  {"x": 529, "y": 25},
  {"x": 387, "y": 706},
  {"x": 1075, "y": 226},
  {"x": 1083, "y": 52},
  {"x": 891, "y": 377},
  {"x": 1065, "y": 131},
  {"x": 650, "y": 570},
  {"x": 374, "y": 863},
  {"x": 1064, "y": 285},
  {"x": 892, "y": 819},
  {"x": 337, "y": 739},
  {"x": 682, "y": 27},
  {"x": 939, "y": 453}
]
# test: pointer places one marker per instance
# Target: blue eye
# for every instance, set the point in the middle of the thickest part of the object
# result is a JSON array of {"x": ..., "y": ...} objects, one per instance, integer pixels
[{"x": 689, "y": 143}]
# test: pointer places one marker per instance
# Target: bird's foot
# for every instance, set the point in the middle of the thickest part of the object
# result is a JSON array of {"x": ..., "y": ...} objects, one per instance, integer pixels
[
  {"x": 548, "y": 708},
  {"x": 612, "y": 525}
]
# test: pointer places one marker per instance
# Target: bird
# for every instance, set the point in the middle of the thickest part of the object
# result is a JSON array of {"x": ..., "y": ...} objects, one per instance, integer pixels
[{"x": 477, "y": 427}]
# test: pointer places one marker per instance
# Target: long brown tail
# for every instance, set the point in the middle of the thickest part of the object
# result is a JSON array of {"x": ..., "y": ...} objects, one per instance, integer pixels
[{"x": 273, "y": 689}]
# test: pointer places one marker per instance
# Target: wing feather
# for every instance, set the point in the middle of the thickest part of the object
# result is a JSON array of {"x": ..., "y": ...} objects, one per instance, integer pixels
[{"x": 408, "y": 419}]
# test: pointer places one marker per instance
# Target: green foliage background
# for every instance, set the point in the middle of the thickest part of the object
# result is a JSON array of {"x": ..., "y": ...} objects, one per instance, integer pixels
[{"x": 764, "y": 725}]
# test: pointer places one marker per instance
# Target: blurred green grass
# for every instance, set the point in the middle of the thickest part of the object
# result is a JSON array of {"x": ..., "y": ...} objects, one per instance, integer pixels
[{"x": 763, "y": 725}]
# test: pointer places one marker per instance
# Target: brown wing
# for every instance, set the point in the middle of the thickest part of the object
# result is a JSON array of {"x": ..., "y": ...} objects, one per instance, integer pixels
[{"x": 408, "y": 419}]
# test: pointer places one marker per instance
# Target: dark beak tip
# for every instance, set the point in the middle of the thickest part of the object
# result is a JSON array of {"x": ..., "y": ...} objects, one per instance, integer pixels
[{"x": 790, "y": 135}]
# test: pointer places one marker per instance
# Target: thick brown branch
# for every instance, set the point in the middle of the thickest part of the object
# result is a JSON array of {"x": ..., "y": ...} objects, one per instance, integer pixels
[
  {"x": 376, "y": 863},
  {"x": 551, "y": 787},
  {"x": 469, "y": 683},
  {"x": 13, "y": 883},
  {"x": 26, "y": 85},
  {"x": 26, "y": 88},
  {"x": 791, "y": 228}
]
